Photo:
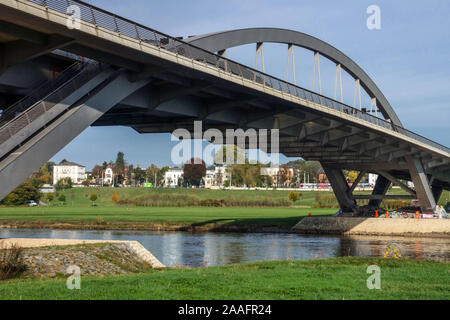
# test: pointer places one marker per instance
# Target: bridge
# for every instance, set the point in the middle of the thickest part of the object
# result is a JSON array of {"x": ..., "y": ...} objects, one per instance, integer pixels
[{"x": 132, "y": 75}]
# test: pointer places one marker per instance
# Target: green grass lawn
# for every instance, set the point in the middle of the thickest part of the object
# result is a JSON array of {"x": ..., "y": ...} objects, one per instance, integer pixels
[
  {"x": 80, "y": 196},
  {"x": 337, "y": 278},
  {"x": 279, "y": 217},
  {"x": 79, "y": 211}
]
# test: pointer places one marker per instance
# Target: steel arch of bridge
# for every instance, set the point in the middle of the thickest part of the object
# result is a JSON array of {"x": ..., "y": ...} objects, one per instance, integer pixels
[{"x": 220, "y": 41}]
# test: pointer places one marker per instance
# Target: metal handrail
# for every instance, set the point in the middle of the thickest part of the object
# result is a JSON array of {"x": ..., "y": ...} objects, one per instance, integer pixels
[
  {"x": 38, "y": 93},
  {"x": 126, "y": 27},
  {"x": 88, "y": 71}
]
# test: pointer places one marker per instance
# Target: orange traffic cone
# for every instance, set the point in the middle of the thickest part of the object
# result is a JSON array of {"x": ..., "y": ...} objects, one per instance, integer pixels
[
  {"x": 417, "y": 214},
  {"x": 387, "y": 214},
  {"x": 376, "y": 213}
]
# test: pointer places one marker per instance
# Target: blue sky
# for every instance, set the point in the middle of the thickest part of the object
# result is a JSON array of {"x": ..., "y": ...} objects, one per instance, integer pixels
[{"x": 409, "y": 59}]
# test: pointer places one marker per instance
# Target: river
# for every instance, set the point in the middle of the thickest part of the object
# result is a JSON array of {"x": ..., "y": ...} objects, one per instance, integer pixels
[{"x": 213, "y": 249}]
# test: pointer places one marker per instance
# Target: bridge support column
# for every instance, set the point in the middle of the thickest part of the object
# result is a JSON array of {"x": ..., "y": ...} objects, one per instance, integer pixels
[
  {"x": 381, "y": 187},
  {"x": 421, "y": 184},
  {"x": 340, "y": 188},
  {"x": 437, "y": 192}
]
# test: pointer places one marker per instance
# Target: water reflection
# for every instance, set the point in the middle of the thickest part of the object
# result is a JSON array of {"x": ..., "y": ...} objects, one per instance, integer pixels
[{"x": 211, "y": 249}]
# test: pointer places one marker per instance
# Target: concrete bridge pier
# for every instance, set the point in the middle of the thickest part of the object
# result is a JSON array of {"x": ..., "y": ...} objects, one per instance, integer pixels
[
  {"x": 421, "y": 184},
  {"x": 380, "y": 189},
  {"x": 427, "y": 194},
  {"x": 340, "y": 188}
]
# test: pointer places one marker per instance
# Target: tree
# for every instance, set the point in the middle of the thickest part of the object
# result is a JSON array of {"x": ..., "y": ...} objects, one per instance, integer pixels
[
  {"x": 139, "y": 175},
  {"x": 93, "y": 198},
  {"x": 222, "y": 157},
  {"x": 285, "y": 175},
  {"x": 293, "y": 196},
  {"x": 28, "y": 190},
  {"x": 128, "y": 175},
  {"x": 119, "y": 167},
  {"x": 155, "y": 175},
  {"x": 306, "y": 169},
  {"x": 161, "y": 175},
  {"x": 64, "y": 183},
  {"x": 152, "y": 174},
  {"x": 351, "y": 176},
  {"x": 97, "y": 172},
  {"x": 45, "y": 172},
  {"x": 193, "y": 173}
]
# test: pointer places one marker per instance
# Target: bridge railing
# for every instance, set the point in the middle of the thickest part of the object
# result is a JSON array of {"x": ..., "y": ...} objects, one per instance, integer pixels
[
  {"x": 42, "y": 90},
  {"x": 76, "y": 76},
  {"x": 123, "y": 26}
]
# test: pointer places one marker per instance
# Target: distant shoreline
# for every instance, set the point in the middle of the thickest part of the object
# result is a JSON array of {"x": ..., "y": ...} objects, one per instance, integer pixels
[{"x": 148, "y": 226}]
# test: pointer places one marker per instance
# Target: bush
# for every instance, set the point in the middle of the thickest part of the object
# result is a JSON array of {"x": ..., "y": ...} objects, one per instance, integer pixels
[
  {"x": 62, "y": 198},
  {"x": 293, "y": 196},
  {"x": 212, "y": 203},
  {"x": 11, "y": 262},
  {"x": 115, "y": 197},
  {"x": 325, "y": 200},
  {"x": 100, "y": 221},
  {"x": 93, "y": 197},
  {"x": 50, "y": 197},
  {"x": 126, "y": 202},
  {"x": 167, "y": 200},
  {"x": 393, "y": 204},
  {"x": 236, "y": 201}
]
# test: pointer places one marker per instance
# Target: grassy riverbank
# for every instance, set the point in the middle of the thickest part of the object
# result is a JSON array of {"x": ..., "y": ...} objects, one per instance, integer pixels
[
  {"x": 243, "y": 210},
  {"x": 79, "y": 197},
  {"x": 338, "y": 278},
  {"x": 157, "y": 218}
]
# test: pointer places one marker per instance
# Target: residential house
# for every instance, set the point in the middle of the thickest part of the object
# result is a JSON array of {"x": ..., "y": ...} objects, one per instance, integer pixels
[
  {"x": 172, "y": 176},
  {"x": 67, "y": 169}
]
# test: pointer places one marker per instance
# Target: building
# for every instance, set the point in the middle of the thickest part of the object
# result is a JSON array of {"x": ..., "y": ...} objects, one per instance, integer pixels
[
  {"x": 216, "y": 177},
  {"x": 108, "y": 175},
  {"x": 172, "y": 176},
  {"x": 67, "y": 169},
  {"x": 276, "y": 174}
]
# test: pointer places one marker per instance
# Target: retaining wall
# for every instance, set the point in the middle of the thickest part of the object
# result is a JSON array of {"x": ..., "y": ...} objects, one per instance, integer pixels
[{"x": 374, "y": 226}]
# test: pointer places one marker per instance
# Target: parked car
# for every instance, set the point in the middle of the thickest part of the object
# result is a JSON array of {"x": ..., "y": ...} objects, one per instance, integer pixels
[{"x": 32, "y": 203}]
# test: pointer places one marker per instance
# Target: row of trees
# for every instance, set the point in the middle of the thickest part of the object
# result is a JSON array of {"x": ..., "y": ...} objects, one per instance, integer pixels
[
  {"x": 250, "y": 174},
  {"x": 128, "y": 174}
]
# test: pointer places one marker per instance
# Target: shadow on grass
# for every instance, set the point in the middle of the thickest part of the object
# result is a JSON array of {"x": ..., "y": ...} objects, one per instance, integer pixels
[{"x": 247, "y": 225}]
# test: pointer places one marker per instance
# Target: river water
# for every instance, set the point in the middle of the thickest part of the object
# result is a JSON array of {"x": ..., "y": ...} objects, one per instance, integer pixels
[{"x": 212, "y": 249}]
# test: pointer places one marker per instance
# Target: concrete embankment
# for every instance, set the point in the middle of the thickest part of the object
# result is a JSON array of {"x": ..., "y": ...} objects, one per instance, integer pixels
[
  {"x": 133, "y": 246},
  {"x": 374, "y": 226}
]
